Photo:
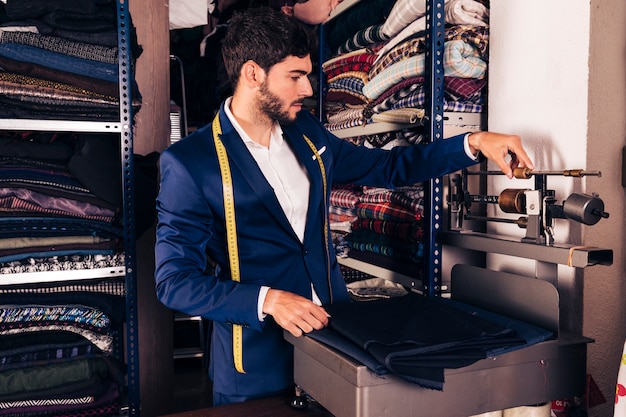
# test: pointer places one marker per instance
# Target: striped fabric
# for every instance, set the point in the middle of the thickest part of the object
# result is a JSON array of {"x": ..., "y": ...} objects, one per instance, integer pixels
[
  {"x": 347, "y": 114},
  {"x": 356, "y": 75},
  {"x": 405, "y": 231},
  {"x": 14, "y": 205},
  {"x": 362, "y": 15},
  {"x": 24, "y": 315},
  {"x": 460, "y": 60},
  {"x": 381, "y": 139},
  {"x": 346, "y": 198},
  {"x": 403, "y": 13},
  {"x": 386, "y": 211},
  {"x": 361, "y": 56},
  {"x": 342, "y": 211},
  {"x": 73, "y": 262},
  {"x": 367, "y": 241},
  {"x": 345, "y": 124},
  {"x": 418, "y": 98},
  {"x": 54, "y": 88},
  {"x": 477, "y": 36},
  {"x": 381, "y": 195},
  {"x": 26, "y": 53},
  {"x": 5, "y": 405},
  {"x": 404, "y": 50},
  {"x": 364, "y": 38},
  {"x": 345, "y": 56},
  {"x": 395, "y": 93},
  {"x": 104, "y": 342},
  {"x": 361, "y": 68},
  {"x": 62, "y": 204},
  {"x": 464, "y": 88},
  {"x": 62, "y": 46},
  {"x": 354, "y": 85}
]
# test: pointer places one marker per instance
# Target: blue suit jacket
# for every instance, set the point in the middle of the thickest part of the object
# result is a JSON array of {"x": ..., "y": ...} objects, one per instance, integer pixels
[{"x": 191, "y": 233}]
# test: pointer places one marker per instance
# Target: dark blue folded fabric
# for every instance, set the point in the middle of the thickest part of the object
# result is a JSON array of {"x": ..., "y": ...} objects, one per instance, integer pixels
[
  {"x": 60, "y": 62},
  {"x": 335, "y": 340},
  {"x": 418, "y": 337}
]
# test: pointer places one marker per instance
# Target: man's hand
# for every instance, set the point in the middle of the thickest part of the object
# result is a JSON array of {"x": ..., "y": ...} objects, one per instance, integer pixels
[
  {"x": 294, "y": 313},
  {"x": 497, "y": 146}
]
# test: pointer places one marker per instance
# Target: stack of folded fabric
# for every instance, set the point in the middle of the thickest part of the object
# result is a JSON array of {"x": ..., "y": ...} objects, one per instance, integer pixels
[
  {"x": 379, "y": 226},
  {"x": 60, "y": 60},
  {"x": 380, "y": 65},
  {"x": 58, "y": 358},
  {"x": 46, "y": 212},
  {"x": 389, "y": 229},
  {"x": 57, "y": 340}
]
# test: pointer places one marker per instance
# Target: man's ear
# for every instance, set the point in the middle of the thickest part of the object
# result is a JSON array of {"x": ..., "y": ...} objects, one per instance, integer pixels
[
  {"x": 252, "y": 74},
  {"x": 288, "y": 10}
]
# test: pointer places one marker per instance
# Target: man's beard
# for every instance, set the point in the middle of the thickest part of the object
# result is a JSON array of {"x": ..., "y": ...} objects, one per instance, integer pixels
[{"x": 271, "y": 105}]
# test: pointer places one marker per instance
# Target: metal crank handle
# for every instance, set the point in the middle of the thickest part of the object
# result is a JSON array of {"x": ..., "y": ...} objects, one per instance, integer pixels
[{"x": 526, "y": 173}]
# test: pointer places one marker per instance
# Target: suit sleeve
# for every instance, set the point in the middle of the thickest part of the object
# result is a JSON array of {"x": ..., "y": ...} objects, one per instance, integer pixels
[
  {"x": 185, "y": 226},
  {"x": 402, "y": 165}
]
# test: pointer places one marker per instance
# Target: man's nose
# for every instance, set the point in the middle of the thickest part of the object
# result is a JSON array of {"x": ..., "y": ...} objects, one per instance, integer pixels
[{"x": 306, "y": 89}]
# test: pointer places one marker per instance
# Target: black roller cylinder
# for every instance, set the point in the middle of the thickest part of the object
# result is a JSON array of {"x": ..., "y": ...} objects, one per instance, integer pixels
[{"x": 584, "y": 208}]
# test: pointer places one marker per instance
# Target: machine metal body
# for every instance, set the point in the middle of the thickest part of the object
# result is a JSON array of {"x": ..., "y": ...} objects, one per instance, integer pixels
[
  {"x": 548, "y": 370},
  {"x": 538, "y": 207}
]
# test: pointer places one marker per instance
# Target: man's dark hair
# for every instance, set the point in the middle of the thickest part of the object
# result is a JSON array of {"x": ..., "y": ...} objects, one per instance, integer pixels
[{"x": 265, "y": 36}]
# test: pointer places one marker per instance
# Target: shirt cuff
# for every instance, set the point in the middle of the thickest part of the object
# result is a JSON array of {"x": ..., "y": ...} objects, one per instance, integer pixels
[
  {"x": 261, "y": 301},
  {"x": 468, "y": 151}
]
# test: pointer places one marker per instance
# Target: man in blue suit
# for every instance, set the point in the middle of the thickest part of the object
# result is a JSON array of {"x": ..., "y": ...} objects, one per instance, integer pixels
[{"x": 264, "y": 169}]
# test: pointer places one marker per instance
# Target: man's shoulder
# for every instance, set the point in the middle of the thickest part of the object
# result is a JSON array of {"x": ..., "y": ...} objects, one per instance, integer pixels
[
  {"x": 305, "y": 116},
  {"x": 308, "y": 124},
  {"x": 192, "y": 145}
]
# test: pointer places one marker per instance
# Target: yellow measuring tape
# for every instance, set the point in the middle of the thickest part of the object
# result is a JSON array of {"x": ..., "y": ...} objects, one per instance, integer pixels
[
  {"x": 231, "y": 227},
  {"x": 325, "y": 185},
  {"x": 231, "y": 234}
]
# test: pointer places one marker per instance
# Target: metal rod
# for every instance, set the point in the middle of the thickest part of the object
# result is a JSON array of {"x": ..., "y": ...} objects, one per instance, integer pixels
[
  {"x": 522, "y": 222},
  {"x": 526, "y": 173}
]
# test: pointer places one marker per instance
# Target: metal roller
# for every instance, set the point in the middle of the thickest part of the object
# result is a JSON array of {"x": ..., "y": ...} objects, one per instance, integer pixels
[
  {"x": 513, "y": 200},
  {"x": 584, "y": 208}
]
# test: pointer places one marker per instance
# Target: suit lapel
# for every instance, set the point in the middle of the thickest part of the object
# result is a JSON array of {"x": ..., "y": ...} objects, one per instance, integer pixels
[
  {"x": 306, "y": 156},
  {"x": 240, "y": 159}
]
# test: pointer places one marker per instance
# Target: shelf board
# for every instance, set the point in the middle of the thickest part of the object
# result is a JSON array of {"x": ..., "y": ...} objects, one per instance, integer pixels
[
  {"x": 372, "y": 129},
  {"x": 61, "y": 125},
  {"x": 53, "y": 276},
  {"x": 571, "y": 255},
  {"x": 380, "y": 272},
  {"x": 455, "y": 121}
]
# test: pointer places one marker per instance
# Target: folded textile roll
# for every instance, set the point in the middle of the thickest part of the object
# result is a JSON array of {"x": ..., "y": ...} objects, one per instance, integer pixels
[
  {"x": 375, "y": 288},
  {"x": 407, "y": 115}
]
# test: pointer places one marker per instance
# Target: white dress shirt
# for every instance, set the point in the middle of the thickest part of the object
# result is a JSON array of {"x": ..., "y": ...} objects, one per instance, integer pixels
[{"x": 286, "y": 176}]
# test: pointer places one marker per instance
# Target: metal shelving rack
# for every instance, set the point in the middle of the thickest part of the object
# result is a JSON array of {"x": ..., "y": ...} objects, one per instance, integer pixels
[
  {"x": 434, "y": 101},
  {"x": 123, "y": 126},
  {"x": 435, "y": 119},
  {"x": 128, "y": 182}
]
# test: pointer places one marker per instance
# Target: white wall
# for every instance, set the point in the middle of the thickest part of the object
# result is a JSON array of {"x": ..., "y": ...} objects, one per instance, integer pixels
[{"x": 568, "y": 105}]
